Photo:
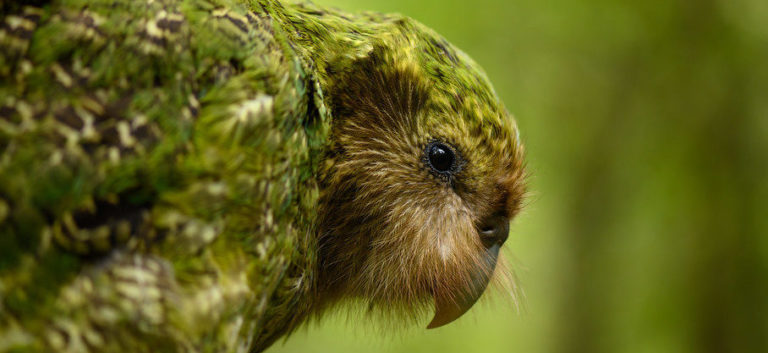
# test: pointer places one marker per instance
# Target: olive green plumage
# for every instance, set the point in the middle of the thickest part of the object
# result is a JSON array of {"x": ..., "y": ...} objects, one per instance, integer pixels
[{"x": 168, "y": 168}]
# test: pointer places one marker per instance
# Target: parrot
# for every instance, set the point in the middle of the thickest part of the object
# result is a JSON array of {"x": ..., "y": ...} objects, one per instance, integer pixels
[{"x": 209, "y": 175}]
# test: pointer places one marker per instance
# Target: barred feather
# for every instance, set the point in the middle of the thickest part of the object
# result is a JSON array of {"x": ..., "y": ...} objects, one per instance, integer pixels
[{"x": 194, "y": 175}]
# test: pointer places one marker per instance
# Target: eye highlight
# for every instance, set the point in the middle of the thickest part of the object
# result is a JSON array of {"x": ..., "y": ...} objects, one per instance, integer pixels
[{"x": 441, "y": 158}]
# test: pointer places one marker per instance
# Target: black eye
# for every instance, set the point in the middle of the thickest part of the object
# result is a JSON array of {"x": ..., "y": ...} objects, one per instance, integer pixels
[{"x": 441, "y": 157}]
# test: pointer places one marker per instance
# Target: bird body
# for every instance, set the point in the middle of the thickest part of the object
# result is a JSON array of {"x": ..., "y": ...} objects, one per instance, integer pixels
[{"x": 191, "y": 175}]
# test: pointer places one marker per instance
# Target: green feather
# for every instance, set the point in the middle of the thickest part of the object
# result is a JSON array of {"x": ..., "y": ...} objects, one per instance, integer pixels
[{"x": 160, "y": 165}]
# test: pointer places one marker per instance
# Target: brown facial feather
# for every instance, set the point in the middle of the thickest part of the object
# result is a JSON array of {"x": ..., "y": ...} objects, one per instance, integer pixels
[{"x": 392, "y": 232}]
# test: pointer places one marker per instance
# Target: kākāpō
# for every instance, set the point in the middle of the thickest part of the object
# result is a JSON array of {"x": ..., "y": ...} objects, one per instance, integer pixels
[{"x": 206, "y": 175}]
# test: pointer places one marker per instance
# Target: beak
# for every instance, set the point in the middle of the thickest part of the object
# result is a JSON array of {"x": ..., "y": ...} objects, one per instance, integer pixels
[{"x": 449, "y": 309}]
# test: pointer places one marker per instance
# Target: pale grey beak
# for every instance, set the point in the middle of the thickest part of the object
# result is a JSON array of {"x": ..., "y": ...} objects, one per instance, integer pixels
[{"x": 446, "y": 311}]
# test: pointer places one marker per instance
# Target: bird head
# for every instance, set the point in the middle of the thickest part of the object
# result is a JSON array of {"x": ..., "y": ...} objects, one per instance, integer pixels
[{"x": 422, "y": 175}]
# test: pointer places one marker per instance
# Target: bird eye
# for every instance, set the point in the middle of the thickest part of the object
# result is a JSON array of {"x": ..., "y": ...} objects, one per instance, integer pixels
[{"x": 441, "y": 157}]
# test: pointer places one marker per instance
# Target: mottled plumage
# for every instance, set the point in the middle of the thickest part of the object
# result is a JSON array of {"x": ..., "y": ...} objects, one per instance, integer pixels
[{"x": 192, "y": 175}]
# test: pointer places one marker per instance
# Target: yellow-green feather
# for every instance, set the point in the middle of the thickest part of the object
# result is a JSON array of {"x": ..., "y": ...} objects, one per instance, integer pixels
[
  {"x": 155, "y": 175},
  {"x": 160, "y": 163}
]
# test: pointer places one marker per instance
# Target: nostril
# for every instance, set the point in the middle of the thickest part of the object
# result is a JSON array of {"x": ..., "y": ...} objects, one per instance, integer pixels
[
  {"x": 494, "y": 230},
  {"x": 487, "y": 230}
]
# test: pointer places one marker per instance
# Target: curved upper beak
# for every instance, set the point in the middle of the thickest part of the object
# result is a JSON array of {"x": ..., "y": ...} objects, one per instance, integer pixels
[
  {"x": 447, "y": 310},
  {"x": 493, "y": 231}
]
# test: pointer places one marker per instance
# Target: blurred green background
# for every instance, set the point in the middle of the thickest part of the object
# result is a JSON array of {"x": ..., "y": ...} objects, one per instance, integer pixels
[{"x": 646, "y": 128}]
